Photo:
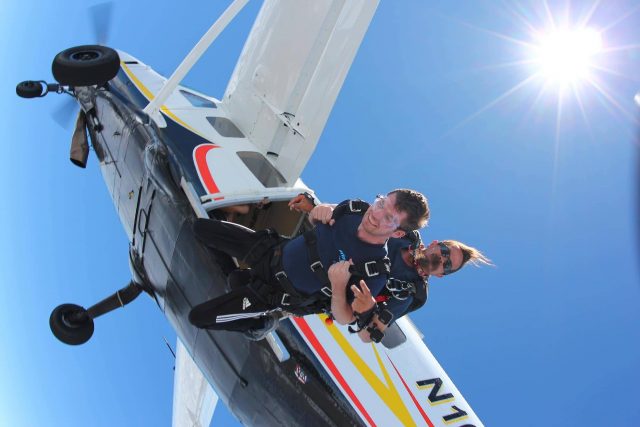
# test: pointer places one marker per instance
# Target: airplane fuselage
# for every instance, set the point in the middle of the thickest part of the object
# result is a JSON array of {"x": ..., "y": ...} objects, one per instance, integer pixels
[{"x": 142, "y": 165}]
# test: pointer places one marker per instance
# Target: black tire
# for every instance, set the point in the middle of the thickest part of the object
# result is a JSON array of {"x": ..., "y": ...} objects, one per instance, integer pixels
[
  {"x": 86, "y": 65},
  {"x": 71, "y": 324},
  {"x": 29, "y": 89}
]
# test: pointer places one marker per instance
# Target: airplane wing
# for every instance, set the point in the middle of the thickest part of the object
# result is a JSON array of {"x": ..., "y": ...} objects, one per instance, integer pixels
[
  {"x": 290, "y": 72},
  {"x": 401, "y": 385},
  {"x": 193, "y": 398}
]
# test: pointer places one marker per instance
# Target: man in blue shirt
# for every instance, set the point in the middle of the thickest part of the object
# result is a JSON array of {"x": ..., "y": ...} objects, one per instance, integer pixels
[
  {"x": 411, "y": 265},
  {"x": 313, "y": 272}
]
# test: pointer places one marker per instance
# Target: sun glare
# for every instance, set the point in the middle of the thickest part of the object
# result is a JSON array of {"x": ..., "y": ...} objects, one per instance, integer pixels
[{"x": 567, "y": 56}]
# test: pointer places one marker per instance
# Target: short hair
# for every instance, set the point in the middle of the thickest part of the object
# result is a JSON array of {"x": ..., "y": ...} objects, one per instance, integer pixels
[
  {"x": 469, "y": 254},
  {"x": 415, "y": 205}
]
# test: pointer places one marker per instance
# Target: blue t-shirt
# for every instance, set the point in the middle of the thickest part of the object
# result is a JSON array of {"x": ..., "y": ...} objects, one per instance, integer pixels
[
  {"x": 401, "y": 271},
  {"x": 335, "y": 243}
]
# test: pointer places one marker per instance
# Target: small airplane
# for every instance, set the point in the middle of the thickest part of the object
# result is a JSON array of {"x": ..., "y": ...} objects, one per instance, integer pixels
[{"x": 170, "y": 154}]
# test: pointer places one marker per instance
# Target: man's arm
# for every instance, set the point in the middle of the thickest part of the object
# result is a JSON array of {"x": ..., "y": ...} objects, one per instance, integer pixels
[
  {"x": 320, "y": 213},
  {"x": 339, "y": 276}
]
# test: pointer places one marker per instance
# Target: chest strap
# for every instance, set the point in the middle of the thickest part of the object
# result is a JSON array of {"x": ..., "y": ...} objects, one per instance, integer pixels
[
  {"x": 372, "y": 268},
  {"x": 364, "y": 269}
]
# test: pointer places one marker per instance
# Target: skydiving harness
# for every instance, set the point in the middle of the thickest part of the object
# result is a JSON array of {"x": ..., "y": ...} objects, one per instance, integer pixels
[
  {"x": 400, "y": 289},
  {"x": 293, "y": 301},
  {"x": 395, "y": 288}
]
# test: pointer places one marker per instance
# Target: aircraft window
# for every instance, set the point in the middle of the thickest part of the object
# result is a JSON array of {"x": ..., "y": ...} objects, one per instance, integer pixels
[
  {"x": 198, "y": 101},
  {"x": 225, "y": 127},
  {"x": 262, "y": 169}
]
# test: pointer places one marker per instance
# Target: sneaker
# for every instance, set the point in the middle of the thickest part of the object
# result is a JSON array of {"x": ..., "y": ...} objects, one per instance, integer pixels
[{"x": 271, "y": 322}]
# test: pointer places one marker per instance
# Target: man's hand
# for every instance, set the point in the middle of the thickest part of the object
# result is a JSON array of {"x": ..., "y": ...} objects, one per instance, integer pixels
[
  {"x": 300, "y": 203},
  {"x": 339, "y": 276},
  {"x": 322, "y": 213},
  {"x": 363, "y": 300}
]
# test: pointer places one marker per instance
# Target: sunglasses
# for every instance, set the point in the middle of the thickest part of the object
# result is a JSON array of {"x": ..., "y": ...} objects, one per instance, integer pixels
[{"x": 446, "y": 255}]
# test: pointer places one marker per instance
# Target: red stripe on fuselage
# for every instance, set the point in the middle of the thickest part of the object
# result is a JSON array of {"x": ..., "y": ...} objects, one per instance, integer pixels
[
  {"x": 308, "y": 333},
  {"x": 415, "y": 401},
  {"x": 200, "y": 155}
]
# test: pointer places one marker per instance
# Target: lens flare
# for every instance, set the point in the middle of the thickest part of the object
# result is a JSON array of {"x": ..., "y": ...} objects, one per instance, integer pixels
[{"x": 568, "y": 56}]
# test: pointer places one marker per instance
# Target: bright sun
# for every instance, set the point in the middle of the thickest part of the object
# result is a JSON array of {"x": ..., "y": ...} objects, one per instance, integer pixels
[{"x": 567, "y": 56}]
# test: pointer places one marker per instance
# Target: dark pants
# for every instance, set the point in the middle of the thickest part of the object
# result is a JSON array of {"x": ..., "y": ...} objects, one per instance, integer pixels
[
  {"x": 243, "y": 307},
  {"x": 239, "y": 310}
]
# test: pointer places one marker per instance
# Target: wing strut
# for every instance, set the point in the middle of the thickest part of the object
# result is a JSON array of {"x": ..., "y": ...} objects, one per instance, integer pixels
[{"x": 153, "y": 108}]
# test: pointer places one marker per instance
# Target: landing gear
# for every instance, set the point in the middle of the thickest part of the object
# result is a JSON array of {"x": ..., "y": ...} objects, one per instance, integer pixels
[
  {"x": 29, "y": 89},
  {"x": 37, "y": 88},
  {"x": 73, "y": 324},
  {"x": 85, "y": 65}
]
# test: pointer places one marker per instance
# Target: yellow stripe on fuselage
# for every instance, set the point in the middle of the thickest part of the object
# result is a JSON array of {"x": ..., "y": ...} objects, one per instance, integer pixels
[
  {"x": 387, "y": 392},
  {"x": 150, "y": 96}
]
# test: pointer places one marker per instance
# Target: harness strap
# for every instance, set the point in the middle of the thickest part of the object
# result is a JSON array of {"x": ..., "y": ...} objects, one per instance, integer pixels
[
  {"x": 311, "y": 240},
  {"x": 372, "y": 268},
  {"x": 356, "y": 207},
  {"x": 287, "y": 296}
]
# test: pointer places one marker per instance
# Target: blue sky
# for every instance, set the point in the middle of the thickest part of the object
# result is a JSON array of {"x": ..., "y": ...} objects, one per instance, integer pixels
[{"x": 550, "y": 335}]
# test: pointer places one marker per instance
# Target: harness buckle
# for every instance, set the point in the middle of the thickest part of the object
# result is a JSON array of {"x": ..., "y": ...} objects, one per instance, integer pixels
[
  {"x": 327, "y": 291},
  {"x": 369, "y": 264},
  {"x": 285, "y": 299},
  {"x": 352, "y": 208},
  {"x": 316, "y": 266},
  {"x": 281, "y": 275}
]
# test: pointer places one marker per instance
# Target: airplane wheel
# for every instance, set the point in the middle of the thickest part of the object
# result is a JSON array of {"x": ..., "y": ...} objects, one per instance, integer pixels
[
  {"x": 29, "y": 89},
  {"x": 85, "y": 65},
  {"x": 71, "y": 324}
]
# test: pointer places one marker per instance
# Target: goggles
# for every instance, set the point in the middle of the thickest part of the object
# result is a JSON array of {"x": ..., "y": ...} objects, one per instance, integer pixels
[{"x": 388, "y": 220}]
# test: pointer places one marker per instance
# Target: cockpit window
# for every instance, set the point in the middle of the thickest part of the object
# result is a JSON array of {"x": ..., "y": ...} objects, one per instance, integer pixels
[
  {"x": 225, "y": 127},
  {"x": 262, "y": 169},
  {"x": 197, "y": 101}
]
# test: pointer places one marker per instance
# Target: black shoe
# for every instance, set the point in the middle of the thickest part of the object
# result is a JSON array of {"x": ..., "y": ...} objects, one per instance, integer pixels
[{"x": 270, "y": 324}]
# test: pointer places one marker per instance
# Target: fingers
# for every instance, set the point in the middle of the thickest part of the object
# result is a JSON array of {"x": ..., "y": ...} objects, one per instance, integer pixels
[
  {"x": 294, "y": 204},
  {"x": 364, "y": 287},
  {"x": 356, "y": 292}
]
